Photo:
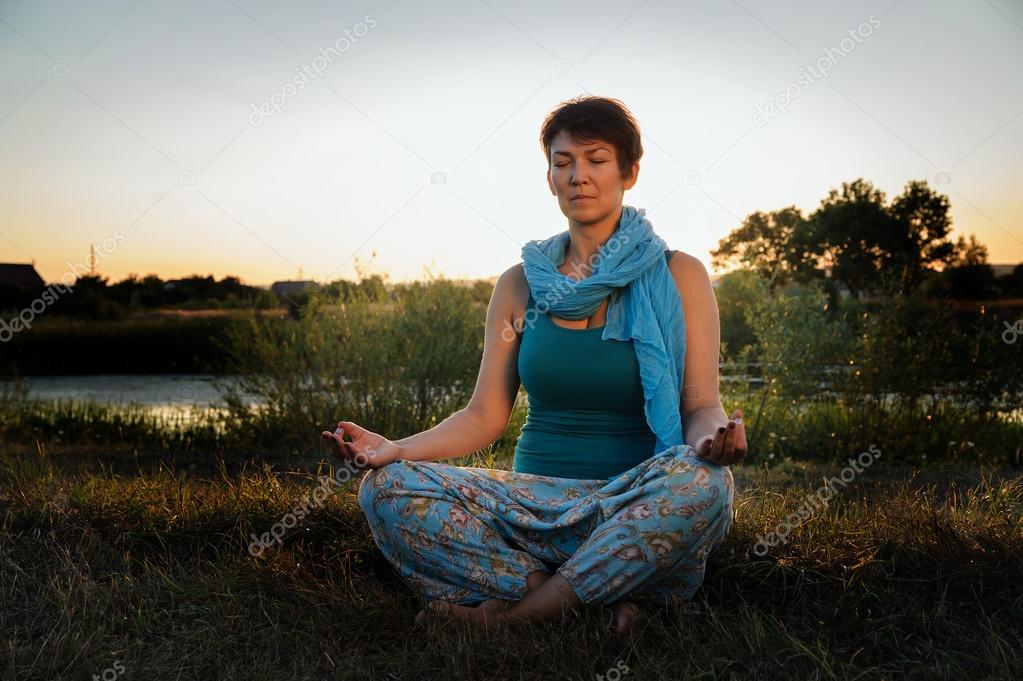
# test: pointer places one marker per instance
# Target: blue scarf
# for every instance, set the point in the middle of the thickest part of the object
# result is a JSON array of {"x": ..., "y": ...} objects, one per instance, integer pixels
[{"x": 645, "y": 306}]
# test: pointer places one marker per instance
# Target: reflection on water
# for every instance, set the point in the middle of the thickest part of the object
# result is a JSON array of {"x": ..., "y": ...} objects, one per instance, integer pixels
[
  {"x": 182, "y": 397},
  {"x": 172, "y": 396}
]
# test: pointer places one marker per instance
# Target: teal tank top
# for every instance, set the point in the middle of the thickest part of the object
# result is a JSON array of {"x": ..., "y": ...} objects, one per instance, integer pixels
[{"x": 585, "y": 416}]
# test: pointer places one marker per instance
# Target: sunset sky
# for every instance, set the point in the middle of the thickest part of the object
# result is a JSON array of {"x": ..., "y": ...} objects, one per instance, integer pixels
[{"x": 416, "y": 136}]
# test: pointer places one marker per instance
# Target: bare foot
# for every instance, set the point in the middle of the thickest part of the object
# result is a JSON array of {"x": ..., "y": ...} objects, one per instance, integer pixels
[
  {"x": 486, "y": 614},
  {"x": 493, "y": 607},
  {"x": 535, "y": 579},
  {"x": 625, "y": 613}
]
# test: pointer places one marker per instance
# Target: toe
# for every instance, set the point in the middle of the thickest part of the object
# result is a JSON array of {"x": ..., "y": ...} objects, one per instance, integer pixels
[
  {"x": 625, "y": 617},
  {"x": 433, "y": 609}
]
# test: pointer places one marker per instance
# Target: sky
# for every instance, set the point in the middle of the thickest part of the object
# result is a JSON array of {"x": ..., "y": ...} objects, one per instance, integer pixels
[{"x": 272, "y": 141}]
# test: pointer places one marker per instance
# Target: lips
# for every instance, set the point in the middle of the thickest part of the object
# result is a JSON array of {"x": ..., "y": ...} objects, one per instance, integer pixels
[{"x": 581, "y": 198}]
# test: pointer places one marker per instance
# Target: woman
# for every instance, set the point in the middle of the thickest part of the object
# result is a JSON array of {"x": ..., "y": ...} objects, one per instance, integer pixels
[{"x": 620, "y": 486}]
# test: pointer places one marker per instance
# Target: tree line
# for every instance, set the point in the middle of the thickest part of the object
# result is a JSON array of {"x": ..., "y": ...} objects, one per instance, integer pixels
[
  {"x": 858, "y": 242},
  {"x": 94, "y": 297}
]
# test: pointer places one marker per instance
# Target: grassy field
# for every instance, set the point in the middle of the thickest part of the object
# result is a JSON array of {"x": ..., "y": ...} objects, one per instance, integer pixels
[
  {"x": 122, "y": 564},
  {"x": 124, "y": 538}
]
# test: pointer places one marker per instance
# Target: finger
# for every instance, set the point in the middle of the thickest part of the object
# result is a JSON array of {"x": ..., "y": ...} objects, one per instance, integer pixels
[
  {"x": 338, "y": 446},
  {"x": 329, "y": 439},
  {"x": 735, "y": 445},
  {"x": 741, "y": 446},
  {"x": 740, "y": 454},
  {"x": 344, "y": 450},
  {"x": 340, "y": 432},
  {"x": 354, "y": 430},
  {"x": 720, "y": 441},
  {"x": 715, "y": 449},
  {"x": 351, "y": 453},
  {"x": 728, "y": 448},
  {"x": 351, "y": 450}
]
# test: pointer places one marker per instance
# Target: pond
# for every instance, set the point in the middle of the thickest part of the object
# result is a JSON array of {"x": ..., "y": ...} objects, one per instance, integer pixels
[{"x": 180, "y": 396}]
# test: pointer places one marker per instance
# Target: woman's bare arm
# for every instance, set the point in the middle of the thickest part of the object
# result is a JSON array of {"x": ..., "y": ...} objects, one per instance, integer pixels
[
  {"x": 482, "y": 421},
  {"x": 701, "y": 409}
]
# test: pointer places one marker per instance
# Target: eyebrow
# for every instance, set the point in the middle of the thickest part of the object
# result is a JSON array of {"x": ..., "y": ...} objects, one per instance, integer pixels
[{"x": 588, "y": 151}]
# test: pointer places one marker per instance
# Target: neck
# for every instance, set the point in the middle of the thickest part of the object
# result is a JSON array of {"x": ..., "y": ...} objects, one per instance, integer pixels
[{"x": 587, "y": 238}]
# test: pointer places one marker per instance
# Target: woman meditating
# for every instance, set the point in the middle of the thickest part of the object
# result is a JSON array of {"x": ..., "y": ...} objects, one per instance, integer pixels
[{"x": 620, "y": 485}]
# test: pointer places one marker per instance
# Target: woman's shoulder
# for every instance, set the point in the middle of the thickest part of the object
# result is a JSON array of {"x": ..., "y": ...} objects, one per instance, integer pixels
[
  {"x": 514, "y": 279},
  {"x": 511, "y": 292},
  {"x": 682, "y": 262},
  {"x": 688, "y": 272}
]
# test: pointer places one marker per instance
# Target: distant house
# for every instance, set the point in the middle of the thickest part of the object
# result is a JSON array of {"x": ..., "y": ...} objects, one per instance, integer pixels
[
  {"x": 14, "y": 274},
  {"x": 288, "y": 288},
  {"x": 1003, "y": 270}
]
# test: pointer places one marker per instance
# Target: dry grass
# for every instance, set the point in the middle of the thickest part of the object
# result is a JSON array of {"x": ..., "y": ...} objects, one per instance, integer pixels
[{"x": 900, "y": 576}]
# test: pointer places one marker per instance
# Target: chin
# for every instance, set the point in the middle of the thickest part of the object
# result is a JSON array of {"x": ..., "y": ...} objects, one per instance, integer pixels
[{"x": 585, "y": 207}]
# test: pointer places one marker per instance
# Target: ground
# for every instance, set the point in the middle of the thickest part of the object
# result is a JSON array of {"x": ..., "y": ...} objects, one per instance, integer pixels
[{"x": 113, "y": 564}]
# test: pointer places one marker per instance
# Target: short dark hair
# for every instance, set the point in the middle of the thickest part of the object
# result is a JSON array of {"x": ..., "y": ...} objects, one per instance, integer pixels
[{"x": 593, "y": 118}]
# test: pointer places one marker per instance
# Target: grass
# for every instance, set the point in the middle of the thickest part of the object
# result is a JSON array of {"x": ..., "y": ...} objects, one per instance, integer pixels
[
  {"x": 132, "y": 561},
  {"x": 823, "y": 432}
]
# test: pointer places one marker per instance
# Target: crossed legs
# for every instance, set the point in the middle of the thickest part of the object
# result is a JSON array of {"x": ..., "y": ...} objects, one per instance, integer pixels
[{"x": 449, "y": 537}]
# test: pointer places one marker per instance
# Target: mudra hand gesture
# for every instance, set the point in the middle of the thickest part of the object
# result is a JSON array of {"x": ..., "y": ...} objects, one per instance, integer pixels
[
  {"x": 727, "y": 446},
  {"x": 366, "y": 449}
]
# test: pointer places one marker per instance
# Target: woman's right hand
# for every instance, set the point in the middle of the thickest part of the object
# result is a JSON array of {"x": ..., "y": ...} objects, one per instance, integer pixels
[
  {"x": 728, "y": 445},
  {"x": 367, "y": 449}
]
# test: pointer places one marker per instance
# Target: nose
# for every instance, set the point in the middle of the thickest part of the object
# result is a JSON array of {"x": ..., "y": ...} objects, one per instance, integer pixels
[
  {"x": 579, "y": 180},
  {"x": 579, "y": 175}
]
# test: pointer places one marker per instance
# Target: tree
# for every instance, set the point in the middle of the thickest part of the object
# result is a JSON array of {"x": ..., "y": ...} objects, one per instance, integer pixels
[
  {"x": 970, "y": 252},
  {"x": 90, "y": 299},
  {"x": 970, "y": 276},
  {"x": 924, "y": 222},
  {"x": 854, "y": 239},
  {"x": 736, "y": 292},
  {"x": 763, "y": 244},
  {"x": 851, "y": 235}
]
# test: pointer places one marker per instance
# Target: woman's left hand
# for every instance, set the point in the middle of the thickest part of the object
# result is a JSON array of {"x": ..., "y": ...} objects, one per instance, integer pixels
[{"x": 727, "y": 446}]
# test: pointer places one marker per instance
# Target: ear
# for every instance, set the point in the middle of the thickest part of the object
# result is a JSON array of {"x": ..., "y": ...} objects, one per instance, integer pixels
[
  {"x": 550, "y": 183},
  {"x": 629, "y": 183}
]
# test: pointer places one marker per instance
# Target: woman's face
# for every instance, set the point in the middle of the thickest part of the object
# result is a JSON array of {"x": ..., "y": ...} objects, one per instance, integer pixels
[{"x": 588, "y": 171}]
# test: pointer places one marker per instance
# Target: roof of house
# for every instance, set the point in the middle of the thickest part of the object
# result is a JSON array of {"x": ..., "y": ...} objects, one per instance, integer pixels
[
  {"x": 289, "y": 287},
  {"x": 19, "y": 275}
]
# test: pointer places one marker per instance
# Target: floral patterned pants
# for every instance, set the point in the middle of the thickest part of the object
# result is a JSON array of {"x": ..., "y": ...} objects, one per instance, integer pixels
[{"x": 465, "y": 534}]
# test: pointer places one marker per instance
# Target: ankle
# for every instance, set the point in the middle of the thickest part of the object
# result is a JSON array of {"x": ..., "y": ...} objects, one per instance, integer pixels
[{"x": 536, "y": 578}]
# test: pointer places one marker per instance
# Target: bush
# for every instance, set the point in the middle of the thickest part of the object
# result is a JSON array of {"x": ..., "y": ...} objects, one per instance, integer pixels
[
  {"x": 901, "y": 371},
  {"x": 736, "y": 292},
  {"x": 396, "y": 368}
]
